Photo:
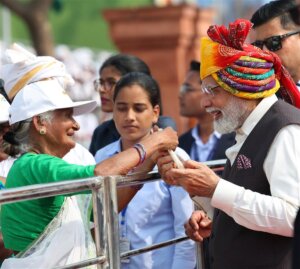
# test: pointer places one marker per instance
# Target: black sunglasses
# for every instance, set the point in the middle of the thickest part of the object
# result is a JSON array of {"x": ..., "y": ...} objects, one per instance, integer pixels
[{"x": 273, "y": 43}]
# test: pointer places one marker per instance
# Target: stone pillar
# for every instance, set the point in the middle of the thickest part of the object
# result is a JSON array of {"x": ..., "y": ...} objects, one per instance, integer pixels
[{"x": 166, "y": 38}]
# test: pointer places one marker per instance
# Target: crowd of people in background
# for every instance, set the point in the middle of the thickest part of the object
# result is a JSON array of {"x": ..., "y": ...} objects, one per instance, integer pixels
[{"x": 245, "y": 98}]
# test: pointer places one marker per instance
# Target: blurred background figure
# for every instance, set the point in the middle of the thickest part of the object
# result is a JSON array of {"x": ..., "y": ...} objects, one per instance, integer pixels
[{"x": 201, "y": 142}]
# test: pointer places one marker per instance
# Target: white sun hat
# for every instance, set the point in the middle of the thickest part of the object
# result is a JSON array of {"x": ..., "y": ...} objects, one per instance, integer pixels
[
  {"x": 4, "y": 109},
  {"x": 43, "y": 96}
]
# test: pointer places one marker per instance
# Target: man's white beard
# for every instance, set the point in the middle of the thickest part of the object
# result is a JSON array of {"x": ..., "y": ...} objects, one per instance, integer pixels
[{"x": 233, "y": 116}]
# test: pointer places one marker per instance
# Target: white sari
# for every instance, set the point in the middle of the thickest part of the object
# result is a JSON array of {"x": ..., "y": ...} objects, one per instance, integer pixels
[{"x": 65, "y": 240}]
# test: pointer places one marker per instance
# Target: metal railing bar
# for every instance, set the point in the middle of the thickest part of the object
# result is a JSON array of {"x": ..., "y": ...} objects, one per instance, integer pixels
[
  {"x": 96, "y": 184},
  {"x": 112, "y": 222},
  {"x": 100, "y": 233},
  {"x": 93, "y": 261},
  {"x": 77, "y": 185},
  {"x": 213, "y": 163},
  {"x": 49, "y": 189},
  {"x": 134, "y": 252},
  {"x": 141, "y": 178},
  {"x": 137, "y": 179}
]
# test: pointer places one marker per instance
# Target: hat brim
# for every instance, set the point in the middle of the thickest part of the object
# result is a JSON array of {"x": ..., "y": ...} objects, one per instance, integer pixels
[{"x": 81, "y": 107}]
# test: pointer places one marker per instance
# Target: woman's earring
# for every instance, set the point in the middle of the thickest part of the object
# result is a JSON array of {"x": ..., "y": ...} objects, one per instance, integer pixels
[{"x": 42, "y": 131}]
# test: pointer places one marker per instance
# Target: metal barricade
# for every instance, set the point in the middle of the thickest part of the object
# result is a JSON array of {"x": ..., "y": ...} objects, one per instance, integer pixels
[{"x": 105, "y": 210}]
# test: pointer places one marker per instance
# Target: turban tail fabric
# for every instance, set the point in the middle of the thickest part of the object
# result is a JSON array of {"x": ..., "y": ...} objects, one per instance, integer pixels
[
  {"x": 242, "y": 69},
  {"x": 22, "y": 68}
]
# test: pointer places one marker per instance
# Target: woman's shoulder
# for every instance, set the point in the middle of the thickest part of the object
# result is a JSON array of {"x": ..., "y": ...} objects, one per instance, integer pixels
[
  {"x": 34, "y": 159},
  {"x": 107, "y": 151}
]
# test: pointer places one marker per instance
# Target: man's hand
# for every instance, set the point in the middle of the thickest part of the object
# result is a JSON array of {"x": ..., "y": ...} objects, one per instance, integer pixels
[
  {"x": 196, "y": 178},
  {"x": 165, "y": 163},
  {"x": 198, "y": 226}
]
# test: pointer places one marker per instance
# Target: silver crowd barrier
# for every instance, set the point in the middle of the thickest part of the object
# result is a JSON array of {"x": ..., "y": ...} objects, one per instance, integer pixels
[{"x": 105, "y": 210}]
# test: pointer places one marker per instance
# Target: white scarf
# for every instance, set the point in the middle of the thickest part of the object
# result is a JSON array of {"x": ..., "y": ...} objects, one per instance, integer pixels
[{"x": 64, "y": 241}]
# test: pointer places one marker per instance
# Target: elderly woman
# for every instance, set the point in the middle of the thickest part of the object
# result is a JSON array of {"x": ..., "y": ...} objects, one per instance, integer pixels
[{"x": 41, "y": 116}]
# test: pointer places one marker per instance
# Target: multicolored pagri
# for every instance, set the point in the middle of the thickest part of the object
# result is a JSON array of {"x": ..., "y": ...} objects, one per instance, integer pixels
[
  {"x": 237, "y": 72},
  {"x": 242, "y": 69},
  {"x": 248, "y": 79}
]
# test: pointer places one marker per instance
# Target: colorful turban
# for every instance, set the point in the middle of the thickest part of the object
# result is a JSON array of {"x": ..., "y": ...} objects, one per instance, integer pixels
[
  {"x": 242, "y": 69},
  {"x": 22, "y": 68}
]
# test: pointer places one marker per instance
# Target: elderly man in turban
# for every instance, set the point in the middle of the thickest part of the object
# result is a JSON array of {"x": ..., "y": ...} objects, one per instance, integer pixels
[{"x": 257, "y": 198}]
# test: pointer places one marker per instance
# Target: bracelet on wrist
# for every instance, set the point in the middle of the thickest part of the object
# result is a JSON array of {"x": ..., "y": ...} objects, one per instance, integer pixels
[{"x": 141, "y": 151}]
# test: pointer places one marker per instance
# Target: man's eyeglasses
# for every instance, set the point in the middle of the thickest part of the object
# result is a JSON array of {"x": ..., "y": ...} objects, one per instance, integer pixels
[
  {"x": 105, "y": 85},
  {"x": 209, "y": 89},
  {"x": 273, "y": 43}
]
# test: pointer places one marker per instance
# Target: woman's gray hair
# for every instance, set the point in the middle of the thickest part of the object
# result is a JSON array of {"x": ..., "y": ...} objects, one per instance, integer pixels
[{"x": 21, "y": 131}]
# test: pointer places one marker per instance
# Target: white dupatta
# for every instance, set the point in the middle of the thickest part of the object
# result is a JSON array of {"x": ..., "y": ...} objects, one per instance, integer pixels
[{"x": 65, "y": 240}]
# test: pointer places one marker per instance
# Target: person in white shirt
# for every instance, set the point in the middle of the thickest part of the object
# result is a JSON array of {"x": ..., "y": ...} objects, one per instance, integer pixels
[
  {"x": 158, "y": 211},
  {"x": 257, "y": 198}
]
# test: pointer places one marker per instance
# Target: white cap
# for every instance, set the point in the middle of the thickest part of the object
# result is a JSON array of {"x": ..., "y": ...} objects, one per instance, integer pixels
[
  {"x": 4, "y": 109},
  {"x": 43, "y": 96}
]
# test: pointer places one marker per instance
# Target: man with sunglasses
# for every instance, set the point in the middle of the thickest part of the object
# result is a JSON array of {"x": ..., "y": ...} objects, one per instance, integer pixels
[
  {"x": 294, "y": 15},
  {"x": 276, "y": 31}
]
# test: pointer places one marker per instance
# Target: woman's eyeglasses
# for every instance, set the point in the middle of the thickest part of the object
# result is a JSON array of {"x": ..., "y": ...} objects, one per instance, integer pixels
[
  {"x": 273, "y": 43},
  {"x": 105, "y": 85}
]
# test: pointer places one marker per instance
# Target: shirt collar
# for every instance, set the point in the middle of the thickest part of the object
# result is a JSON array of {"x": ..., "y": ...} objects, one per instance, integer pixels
[
  {"x": 115, "y": 148},
  {"x": 197, "y": 138},
  {"x": 259, "y": 111}
]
